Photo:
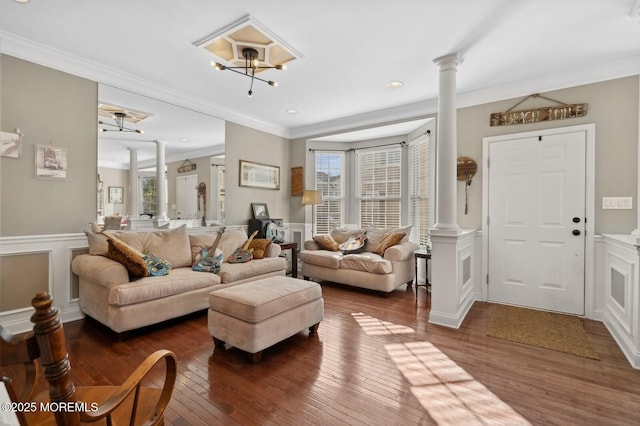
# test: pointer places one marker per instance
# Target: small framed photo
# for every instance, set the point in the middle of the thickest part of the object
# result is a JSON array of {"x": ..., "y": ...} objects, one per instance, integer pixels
[
  {"x": 51, "y": 162},
  {"x": 116, "y": 195},
  {"x": 10, "y": 144},
  {"x": 260, "y": 210}
]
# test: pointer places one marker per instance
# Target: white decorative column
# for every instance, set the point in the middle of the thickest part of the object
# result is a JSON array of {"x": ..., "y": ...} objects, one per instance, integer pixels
[
  {"x": 447, "y": 150},
  {"x": 161, "y": 183},
  {"x": 452, "y": 256},
  {"x": 134, "y": 202}
]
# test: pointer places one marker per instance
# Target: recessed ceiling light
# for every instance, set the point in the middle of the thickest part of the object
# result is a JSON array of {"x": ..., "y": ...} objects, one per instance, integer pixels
[
  {"x": 394, "y": 84},
  {"x": 184, "y": 140},
  {"x": 292, "y": 111},
  {"x": 22, "y": 1}
]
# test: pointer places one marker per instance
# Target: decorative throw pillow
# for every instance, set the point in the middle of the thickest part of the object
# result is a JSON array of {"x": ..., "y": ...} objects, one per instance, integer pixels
[
  {"x": 128, "y": 256},
  {"x": 390, "y": 239},
  {"x": 259, "y": 246},
  {"x": 157, "y": 266},
  {"x": 326, "y": 242}
]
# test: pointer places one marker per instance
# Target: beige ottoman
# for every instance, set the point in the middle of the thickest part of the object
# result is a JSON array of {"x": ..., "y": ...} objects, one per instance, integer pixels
[{"x": 259, "y": 314}]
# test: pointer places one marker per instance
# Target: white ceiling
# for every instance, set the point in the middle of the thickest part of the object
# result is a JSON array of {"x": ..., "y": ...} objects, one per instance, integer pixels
[{"x": 351, "y": 50}]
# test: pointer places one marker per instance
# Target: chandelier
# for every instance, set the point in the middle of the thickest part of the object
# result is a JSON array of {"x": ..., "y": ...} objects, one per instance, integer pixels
[
  {"x": 118, "y": 117},
  {"x": 251, "y": 65}
]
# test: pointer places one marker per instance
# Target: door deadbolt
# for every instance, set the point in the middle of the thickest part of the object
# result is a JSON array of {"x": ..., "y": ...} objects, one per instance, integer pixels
[
  {"x": 575, "y": 232},
  {"x": 576, "y": 220}
]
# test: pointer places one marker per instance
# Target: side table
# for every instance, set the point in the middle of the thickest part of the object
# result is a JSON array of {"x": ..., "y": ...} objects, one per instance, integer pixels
[
  {"x": 426, "y": 255},
  {"x": 293, "y": 246}
]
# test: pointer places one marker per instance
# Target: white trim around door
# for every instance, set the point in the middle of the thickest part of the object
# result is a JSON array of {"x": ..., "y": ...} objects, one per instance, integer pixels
[{"x": 589, "y": 130}]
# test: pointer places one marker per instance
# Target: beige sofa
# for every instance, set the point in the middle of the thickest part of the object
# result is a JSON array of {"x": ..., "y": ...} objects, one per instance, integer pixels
[
  {"x": 110, "y": 296},
  {"x": 384, "y": 272}
]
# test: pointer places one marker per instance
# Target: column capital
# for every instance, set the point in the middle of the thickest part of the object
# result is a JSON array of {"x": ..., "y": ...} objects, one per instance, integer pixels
[{"x": 447, "y": 62}]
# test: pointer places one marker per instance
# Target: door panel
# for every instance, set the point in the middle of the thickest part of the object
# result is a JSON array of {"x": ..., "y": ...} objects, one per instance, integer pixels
[
  {"x": 187, "y": 196},
  {"x": 536, "y": 188}
]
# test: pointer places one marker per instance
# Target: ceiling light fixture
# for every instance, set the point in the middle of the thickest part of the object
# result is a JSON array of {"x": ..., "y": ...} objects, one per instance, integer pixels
[
  {"x": 291, "y": 111},
  {"x": 119, "y": 126},
  {"x": 251, "y": 65},
  {"x": 395, "y": 84}
]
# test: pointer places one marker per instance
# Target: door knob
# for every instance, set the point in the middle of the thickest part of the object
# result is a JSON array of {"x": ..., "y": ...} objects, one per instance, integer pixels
[{"x": 575, "y": 232}]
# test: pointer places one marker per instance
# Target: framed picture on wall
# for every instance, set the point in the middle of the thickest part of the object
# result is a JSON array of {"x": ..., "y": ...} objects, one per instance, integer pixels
[
  {"x": 51, "y": 162},
  {"x": 10, "y": 144},
  {"x": 116, "y": 195},
  {"x": 256, "y": 175}
]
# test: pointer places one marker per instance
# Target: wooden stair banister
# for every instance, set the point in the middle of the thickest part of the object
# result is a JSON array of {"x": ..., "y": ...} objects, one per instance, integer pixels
[
  {"x": 130, "y": 403},
  {"x": 54, "y": 357}
]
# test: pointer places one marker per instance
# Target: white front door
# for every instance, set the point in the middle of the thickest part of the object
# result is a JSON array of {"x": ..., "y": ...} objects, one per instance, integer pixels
[
  {"x": 187, "y": 196},
  {"x": 537, "y": 222}
]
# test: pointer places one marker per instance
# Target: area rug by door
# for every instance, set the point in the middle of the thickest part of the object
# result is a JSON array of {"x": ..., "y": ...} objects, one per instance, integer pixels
[{"x": 558, "y": 332}]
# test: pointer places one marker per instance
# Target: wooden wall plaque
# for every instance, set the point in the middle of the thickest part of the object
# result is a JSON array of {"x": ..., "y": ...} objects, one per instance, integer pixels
[{"x": 296, "y": 181}]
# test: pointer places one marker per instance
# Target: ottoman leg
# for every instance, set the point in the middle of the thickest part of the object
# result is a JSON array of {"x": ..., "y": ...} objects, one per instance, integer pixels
[
  {"x": 256, "y": 357},
  {"x": 218, "y": 343},
  {"x": 314, "y": 328}
]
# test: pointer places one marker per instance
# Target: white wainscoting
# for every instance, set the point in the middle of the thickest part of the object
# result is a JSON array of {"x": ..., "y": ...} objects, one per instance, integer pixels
[
  {"x": 622, "y": 293},
  {"x": 60, "y": 249}
]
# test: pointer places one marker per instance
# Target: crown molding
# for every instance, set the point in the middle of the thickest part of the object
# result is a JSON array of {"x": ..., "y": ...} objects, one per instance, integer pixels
[
  {"x": 19, "y": 47},
  {"x": 600, "y": 72}
]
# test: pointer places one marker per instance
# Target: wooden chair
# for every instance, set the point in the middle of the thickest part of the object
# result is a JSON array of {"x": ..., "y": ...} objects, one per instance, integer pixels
[{"x": 130, "y": 403}]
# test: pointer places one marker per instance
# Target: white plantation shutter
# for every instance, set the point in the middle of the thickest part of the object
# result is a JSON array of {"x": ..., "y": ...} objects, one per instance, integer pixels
[
  {"x": 379, "y": 190},
  {"x": 330, "y": 181},
  {"x": 419, "y": 152}
]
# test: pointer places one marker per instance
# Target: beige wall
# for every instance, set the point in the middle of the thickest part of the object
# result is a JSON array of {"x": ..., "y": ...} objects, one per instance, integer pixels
[
  {"x": 243, "y": 143},
  {"x": 613, "y": 107},
  {"x": 50, "y": 108}
]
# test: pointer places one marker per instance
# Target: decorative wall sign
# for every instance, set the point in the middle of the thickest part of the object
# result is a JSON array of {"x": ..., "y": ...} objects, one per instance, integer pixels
[
  {"x": 296, "y": 181},
  {"x": 51, "y": 162},
  {"x": 10, "y": 144},
  {"x": 535, "y": 115},
  {"x": 186, "y": 166},
  {"x": 256, "y": 175}
]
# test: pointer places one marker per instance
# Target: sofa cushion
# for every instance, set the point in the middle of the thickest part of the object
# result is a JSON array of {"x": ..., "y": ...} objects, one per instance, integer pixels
[
  {"x": 170, "y": 244},
  {"x": 129, "y": 257},
  {"x": 390, "y": 239},
  {"x": 259, "y": 246},
  {"x": 367, "y": 262},
  {"x": 326, "y": 258},
  {"x": 231, "y": 272},
  {"x": 340, "y": 235},
  {"x": 180, "y": 280},
  {"x": 199, "y": 242},
  {"x": 376, "y": 235},
  {"x": 326, "y": 242}
]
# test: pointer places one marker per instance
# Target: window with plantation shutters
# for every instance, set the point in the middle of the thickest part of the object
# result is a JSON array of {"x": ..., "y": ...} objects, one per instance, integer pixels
[
  {"x": 419, "y": 189},
  {"x": 330, "y": 181},
  {"x": 379, "y": 187}
]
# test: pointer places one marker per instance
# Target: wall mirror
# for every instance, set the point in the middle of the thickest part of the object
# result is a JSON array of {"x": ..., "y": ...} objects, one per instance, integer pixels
[{"x": 187, "y": 135}]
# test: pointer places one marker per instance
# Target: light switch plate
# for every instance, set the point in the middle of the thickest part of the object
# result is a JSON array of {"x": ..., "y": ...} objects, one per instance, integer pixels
[{"x": 619, "y": 203}]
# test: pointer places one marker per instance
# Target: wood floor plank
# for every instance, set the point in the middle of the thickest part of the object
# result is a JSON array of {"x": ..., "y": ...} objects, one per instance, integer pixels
[{"x": 344, "y": 376}]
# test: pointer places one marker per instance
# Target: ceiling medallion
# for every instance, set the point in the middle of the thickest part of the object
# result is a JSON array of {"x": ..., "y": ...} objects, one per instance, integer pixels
[{"x": 248, "y": 47}]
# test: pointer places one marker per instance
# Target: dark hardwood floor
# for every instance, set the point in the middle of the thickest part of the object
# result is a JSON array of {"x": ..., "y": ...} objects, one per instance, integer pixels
[{"x": 355, "y": 371}]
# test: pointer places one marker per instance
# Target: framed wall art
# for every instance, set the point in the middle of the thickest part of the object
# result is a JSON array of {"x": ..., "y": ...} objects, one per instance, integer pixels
[
  {"x": 10, "y": 145},
  {"x": 296, "y": 181},
  {"x": 51, "y": 162},
  {"x": 256, "y": 175},
  {"x": 260, "y": 210},
  {"x": 116, "y": 195}
]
